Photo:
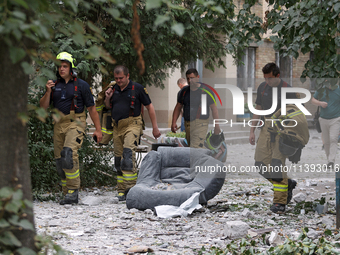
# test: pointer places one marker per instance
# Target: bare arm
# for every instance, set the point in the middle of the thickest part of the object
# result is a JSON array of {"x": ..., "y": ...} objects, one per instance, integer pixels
[
  {"x": 95, "y": 118},
  {"x": 214, "y": 111},
  {"x": 319, "y": 103},
  {"x": 175, "y": 115},
  {"x": 152, "y": 115},
  {"x": 45, "y": 100},
  {"x": 254, "y": 124}
]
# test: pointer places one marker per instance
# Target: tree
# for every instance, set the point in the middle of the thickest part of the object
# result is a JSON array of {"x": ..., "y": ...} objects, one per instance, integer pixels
[
  {"x": 304, "y": 26},
  {"x": 174, "y": 32},
  {"x": 23, "y": 25}
]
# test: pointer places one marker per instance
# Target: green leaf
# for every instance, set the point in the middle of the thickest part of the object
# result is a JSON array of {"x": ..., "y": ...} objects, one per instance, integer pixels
[
  {"x": 310, "y": 23},
  {"x": 178, "y": 28},
  {"x": 13, "y": 206},
  {"x": 79, "y": 38},
  {"x": 25, "y": 224},
  {"x": 218, "y": 9},
  {"x": 337, "y": 7},
  {"x": 41, "y": 113},
  {"x": 328, "y": 232},
  {"x": 93, "y": 27},
  {"x": 17, "y": 195},
  {"x": 161, "y": 19},
  {"x": 277, "y": 28},
  {"x": 28, "y": 69},
  {"x": 25, "y": 251},
  {"x": 94, "y": 51},
  {"x": 4, "y": 224},
  {"x": 14, "y": 220},
  {"x": 152, "y": 4},
  {"x": 7, "y": 238},
  {"x": 22, "y": 3},
  {"x": 114, "y": 12},
  {"x": 16, "y": 54},
  {"x": 6, "y": 192},
  {"x": 19, "y": 15}
]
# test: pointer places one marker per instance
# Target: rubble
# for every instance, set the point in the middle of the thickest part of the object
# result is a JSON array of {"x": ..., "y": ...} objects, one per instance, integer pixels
[
  {"x": 100, "y": 225},
  {"x": 300, "y": 197},
  {"x": 236, "y": 229}
]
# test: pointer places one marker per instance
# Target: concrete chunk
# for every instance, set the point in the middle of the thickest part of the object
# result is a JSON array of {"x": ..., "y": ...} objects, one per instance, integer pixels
[
  {"x": 236, "y": 229},
  {"x": 300, "y": 197},
  {"x": 91, "y": 200}
]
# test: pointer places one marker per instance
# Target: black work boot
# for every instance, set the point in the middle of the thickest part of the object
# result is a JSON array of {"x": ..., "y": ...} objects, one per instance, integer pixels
[
  {"x": 291, "y": 186},
  {"x": 121, "y": 196},
  {"x": 71, "y": 197},
  {"x": 278, "y": 208}
]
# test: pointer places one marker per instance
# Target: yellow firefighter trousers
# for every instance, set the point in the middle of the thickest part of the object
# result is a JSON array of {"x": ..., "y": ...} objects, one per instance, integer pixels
[
  {"x": 268, "y": 155},
  {"x": 69, "y": 132},
  {"x": 195, "y": 132},
  {"x": 126, "y": 139}
]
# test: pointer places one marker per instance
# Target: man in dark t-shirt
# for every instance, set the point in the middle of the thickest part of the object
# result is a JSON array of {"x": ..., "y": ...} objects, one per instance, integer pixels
[{"x": 190, "y": 99}]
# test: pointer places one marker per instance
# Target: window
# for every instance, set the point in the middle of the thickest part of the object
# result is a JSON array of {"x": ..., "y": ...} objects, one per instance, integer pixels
[
  {"x": 286, "y": 67},
  {"x": 246, "y": 72}
]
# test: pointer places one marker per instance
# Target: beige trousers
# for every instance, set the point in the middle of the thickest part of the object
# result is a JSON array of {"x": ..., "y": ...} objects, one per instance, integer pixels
[
  {"x": 195, "y": 132},
  {"x": 69, "y": 133},
  {"x": 125, "y": 139},
  {"x": 330, "y": 133},
  {"x": 268, "y": 154}
]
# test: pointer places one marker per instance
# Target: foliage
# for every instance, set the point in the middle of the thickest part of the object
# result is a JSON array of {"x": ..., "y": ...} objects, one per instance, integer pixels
[
  {"x": 246, "y": 108},
  {"x": 247, "y": 28},
  {"x": 94, "y": 164},
  {"x": 304, "y": 26},
  {"x": 40, "y": 148},
  {"x": 13, "y": 213},
  {"x": 174, "y": 35},
  {"x": 308, "y": 206},
  {"x": 172, "y": 134},
  {"x": 303, "y": 245}
]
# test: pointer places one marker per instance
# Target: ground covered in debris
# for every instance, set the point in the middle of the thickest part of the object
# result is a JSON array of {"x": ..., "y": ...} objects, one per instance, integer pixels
[{"x": 237, "y": 218}]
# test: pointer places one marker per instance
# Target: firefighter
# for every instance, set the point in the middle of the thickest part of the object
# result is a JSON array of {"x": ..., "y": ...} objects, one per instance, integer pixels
[
  {"x": 105, "y": 115},
  {"x": 125, "y": 100},
  {"x": 70, "y": 96},
  {"x": 189, "y": 98},
  {"x": 267, "y": 152}
]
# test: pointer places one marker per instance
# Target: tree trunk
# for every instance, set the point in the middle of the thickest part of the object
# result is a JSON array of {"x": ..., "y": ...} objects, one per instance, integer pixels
[{"x": 14, "y": 161}]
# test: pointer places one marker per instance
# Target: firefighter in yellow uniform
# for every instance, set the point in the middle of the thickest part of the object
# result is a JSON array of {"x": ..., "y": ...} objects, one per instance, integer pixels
[
  {"x": 125, "y": 100},
  {"x": 70, "y": 96},
  {"x": 268, "y": 156},
  {"x": 105, "y": 115}
]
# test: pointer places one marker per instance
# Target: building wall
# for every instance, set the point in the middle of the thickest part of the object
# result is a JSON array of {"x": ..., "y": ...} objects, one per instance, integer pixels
[{"x": 164, "y": 101}]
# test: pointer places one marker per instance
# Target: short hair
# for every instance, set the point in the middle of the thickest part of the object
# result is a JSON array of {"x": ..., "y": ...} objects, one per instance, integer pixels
[
  {"x": 121, "y": 68},
  {"x": 192, "y": 70},
  {"x": 181, "y": 81},
  {"x": 271, "y": 68}
]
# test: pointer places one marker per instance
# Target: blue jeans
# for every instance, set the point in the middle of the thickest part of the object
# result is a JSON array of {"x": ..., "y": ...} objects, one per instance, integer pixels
[{"x": 182, "y": 125}]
